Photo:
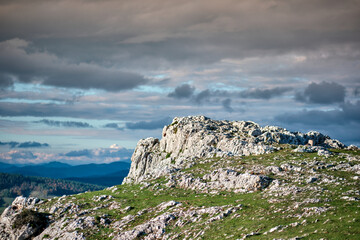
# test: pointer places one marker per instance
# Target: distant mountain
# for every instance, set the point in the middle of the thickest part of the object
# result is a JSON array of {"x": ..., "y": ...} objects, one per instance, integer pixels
[
  {"x": 105, "y": 180},
  {"x": 63, "y": 170},
  {"x": 56, "y": 178},
  {"x": 5, "y": 166},
  {"x": 12, "y": 185},
  {"x": 55, "y": 165}
]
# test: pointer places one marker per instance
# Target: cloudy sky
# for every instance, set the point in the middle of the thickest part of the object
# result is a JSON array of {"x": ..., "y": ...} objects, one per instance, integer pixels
[{"x": 78, "y": 76}]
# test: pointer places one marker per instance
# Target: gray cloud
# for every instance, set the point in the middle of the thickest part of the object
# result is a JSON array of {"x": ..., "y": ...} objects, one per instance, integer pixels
[
  {"x": 79, "y": 153},
  {"x": 32, "y": 144},
  {"x": 170, "y": 35},
  {"x": 27, "y": 67},
  {"x": 148, "y": 125},
  {"x": 5, "y": 81},
  {"x": 226, "y": 103},
  {"x": 15, "y": 155},
  {"x": 201, "y": 96},
  {"x": 255, "y": 93},
  {"x": 72, "y": 124},
  {"x": 343, "y": 124},
  {"x": 114, "y": 126},
  {"x": 322, "y": 93},
  {"x": 182, "y": 91},
  {"x": 12, "y": 144},
  {"x": 58, "y": 110},
  {"x": 258, "y": 93},
  {"x": 349, "y": 112},
  {"x": 122, "y": 153},
  {"x": 356, "y": 92},
  {"x": 187, "y": 91}
]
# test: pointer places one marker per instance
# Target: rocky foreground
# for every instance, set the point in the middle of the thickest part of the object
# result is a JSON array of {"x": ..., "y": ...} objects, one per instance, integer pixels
[{"x": 208, "y": 179}]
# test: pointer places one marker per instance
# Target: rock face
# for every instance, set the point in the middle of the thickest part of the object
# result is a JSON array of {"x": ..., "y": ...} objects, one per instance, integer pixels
[
  {"x": 19, "y": 221},
  {"x": 188, "y": 138}
]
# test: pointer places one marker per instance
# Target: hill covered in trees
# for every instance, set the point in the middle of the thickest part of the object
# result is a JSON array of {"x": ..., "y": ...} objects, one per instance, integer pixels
[{"x": 13, "y": 185}]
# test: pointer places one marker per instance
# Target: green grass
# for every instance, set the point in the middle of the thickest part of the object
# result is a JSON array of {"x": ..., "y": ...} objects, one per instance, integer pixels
[{"x": 340, "y": 221}]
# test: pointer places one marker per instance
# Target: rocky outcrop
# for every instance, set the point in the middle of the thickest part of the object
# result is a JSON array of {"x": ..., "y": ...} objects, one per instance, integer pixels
[
  {"x": 220, "y": 180},
  {"x": 188, "y": 138},
  {"x": 19, "y": 221}
]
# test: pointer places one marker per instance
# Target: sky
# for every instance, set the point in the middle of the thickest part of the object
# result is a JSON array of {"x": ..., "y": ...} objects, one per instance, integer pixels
[{"x": 83, "y": 80}]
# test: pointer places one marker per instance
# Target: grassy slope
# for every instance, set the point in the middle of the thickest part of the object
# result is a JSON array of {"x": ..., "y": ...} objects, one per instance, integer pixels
[{"x": 259, "y": 213}]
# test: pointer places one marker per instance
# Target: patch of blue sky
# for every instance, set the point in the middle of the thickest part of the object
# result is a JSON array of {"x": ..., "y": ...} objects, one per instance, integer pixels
[
  {"x": 30, "y": 101},
  {"x": 153, "y": 89},
  {"x": 299, "y": 79},
  {"x": 160, "y": 76},
  {"x": 34, "y": 87},
  {"x": 225, "y": 87},
  {"x": 25, "y": 87},
  {"x": 322, "y": 108},
  {"x": 88, "y": 92}
]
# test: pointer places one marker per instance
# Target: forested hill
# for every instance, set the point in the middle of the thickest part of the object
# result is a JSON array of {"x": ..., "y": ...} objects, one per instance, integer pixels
[{"x": 12, "y": 185}]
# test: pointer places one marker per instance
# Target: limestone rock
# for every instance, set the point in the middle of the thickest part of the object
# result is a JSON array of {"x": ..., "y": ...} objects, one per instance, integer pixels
[
  {"x": 189, "y": 138},
  {"x": 28, "y": 223}
]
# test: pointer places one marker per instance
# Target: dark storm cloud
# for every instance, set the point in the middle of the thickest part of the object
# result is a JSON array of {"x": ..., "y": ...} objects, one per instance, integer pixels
[
  {"x": 39, "y": 66},
  {"x": 226, "y": 103},
  {"x": 258, "y": 93},
  {"x": 149, "y": 125},
  {"x": 322, "y": 93},
  {"x": 114, "y": 126},
  {"x": 202, "y": 96},
  {"x": 72, "y": 124},
  {"x": 182, "y": 91},
  {"x": 349, "y": 112},
  {"x": 5, "y": 81},
  {"x": 187, "y": 31},
  {"x": 25, "y": 144},
  {"x": 356, "y": 92}
]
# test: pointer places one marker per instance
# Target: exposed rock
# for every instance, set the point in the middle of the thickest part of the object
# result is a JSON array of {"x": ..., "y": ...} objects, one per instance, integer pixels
[
  {"x": 353, "y": 148},
  {"x": 18, "y": 221},
  {"x": 221, "y": 180},
  {"x": 200, "y": 137},
  {"x": 153, "y": 229},
  {"x": 227, "y": 179}
]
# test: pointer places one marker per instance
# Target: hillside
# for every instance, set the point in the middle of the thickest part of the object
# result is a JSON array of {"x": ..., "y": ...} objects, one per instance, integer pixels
[
  {"x": 208, "y": 179},
  {"x": 13, "y": 185},
  {"x": 63, "y": 170}
]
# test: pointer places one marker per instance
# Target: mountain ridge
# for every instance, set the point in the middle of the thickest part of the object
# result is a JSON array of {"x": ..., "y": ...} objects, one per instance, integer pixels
[{"x": 64, "y": 170}]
